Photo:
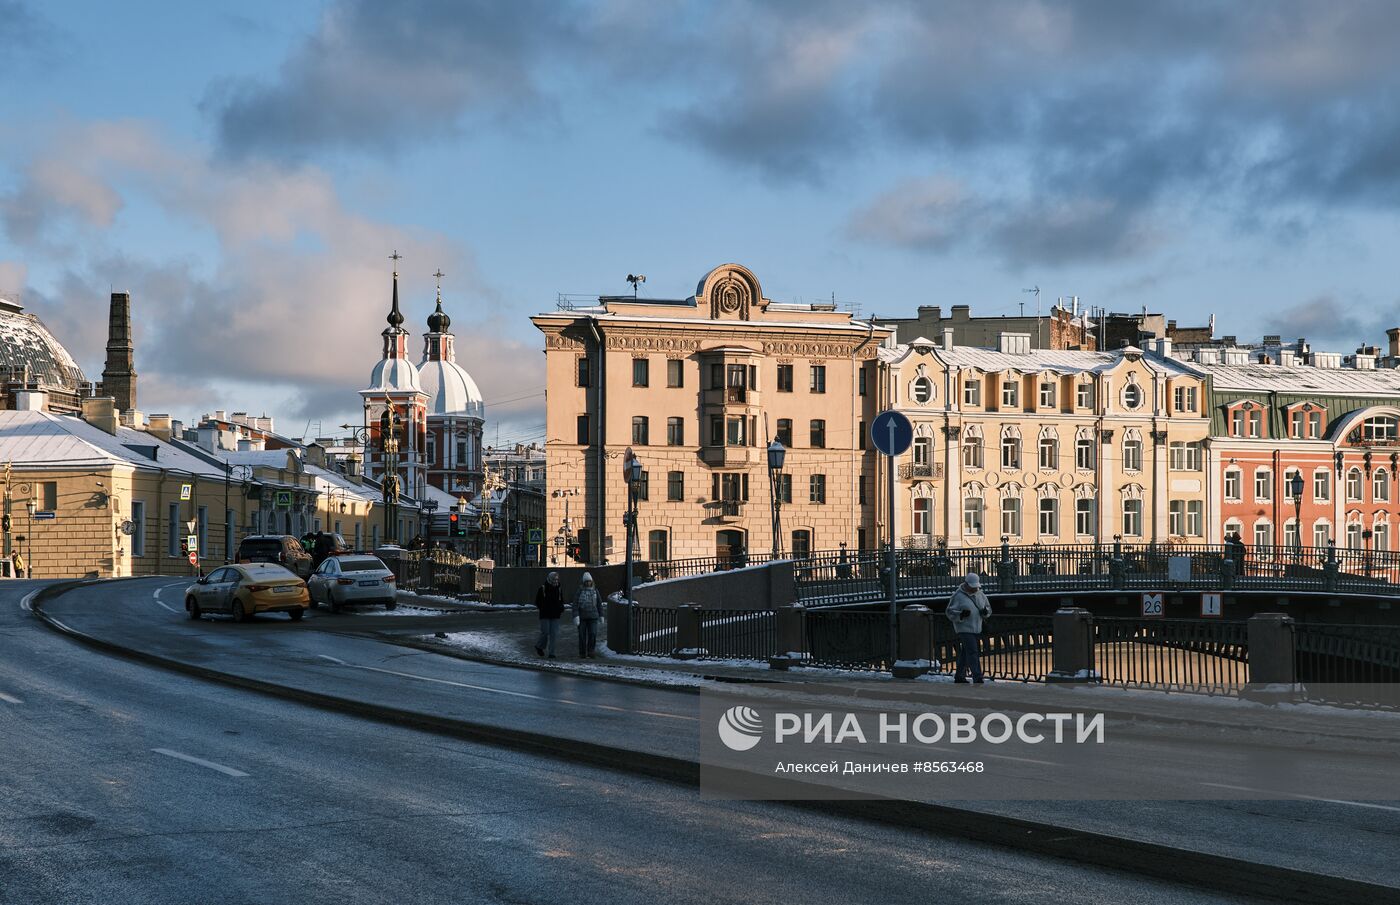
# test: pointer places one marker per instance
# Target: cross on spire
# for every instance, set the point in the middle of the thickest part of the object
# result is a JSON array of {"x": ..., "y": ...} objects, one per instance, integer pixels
[{"x": 396, "y": 257}]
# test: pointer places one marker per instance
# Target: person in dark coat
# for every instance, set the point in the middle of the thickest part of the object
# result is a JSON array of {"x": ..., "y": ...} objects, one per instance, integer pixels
[
  {"x": 588, "y": 610},
  {"x": 549, "y": 600}
]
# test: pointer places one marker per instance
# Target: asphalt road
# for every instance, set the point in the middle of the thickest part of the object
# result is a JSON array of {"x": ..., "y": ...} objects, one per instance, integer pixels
[{"x": 129, "y": 784}]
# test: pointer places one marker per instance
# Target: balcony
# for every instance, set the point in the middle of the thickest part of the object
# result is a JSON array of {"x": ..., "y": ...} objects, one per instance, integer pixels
[
  {"x": 731, "y": 456},
  {"x": 727, "y": 511},
  {"x": 728, "y": 396},
  {"x": 913, "y": 472}
]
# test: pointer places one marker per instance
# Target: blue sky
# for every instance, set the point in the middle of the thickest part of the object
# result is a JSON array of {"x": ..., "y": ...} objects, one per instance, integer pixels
[{"x": 245, "y": 170}]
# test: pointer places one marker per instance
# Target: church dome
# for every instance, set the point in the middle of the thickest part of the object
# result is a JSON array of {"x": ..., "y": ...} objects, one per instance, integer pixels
[
  {"x": 395, "y": 374},
  {"x": 451, "y": 388},
  {"x": 438, "y": 321},
  {"x": 27, "y": 346}
]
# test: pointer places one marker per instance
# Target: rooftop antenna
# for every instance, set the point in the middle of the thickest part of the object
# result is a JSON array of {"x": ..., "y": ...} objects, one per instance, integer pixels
[
  {"x": 634, "y": 279},
  {"x": 1036, "y": 290}
]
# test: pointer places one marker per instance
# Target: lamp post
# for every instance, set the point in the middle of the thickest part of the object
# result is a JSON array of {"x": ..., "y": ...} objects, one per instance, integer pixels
[
  {"x": 29, "y": 508},
  {"x": 429, "y": 507},
  {"x": 389, "y": 443},
  {"x": 776, "y": 454},
  {"x": 247, "y": 472},
  {"x": 632, "y": 473},
  {"x": 1296, "y": 485}
]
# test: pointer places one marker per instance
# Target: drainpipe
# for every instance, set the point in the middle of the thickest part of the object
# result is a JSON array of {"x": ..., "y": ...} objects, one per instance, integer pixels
[
  {"x": 1276, "y": 477},
  {"x": 601, "y": 434},
  {"x": 857, "y": 454},
  {"x": 948, "y": 383},
  {"x": 1156, "y": 452}
]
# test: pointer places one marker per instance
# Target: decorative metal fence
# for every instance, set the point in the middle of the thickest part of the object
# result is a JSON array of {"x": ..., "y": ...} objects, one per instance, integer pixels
[
  {"x": 1172, "y": 654},
  {"x": 848, "y": 639},
  {"x": 1348, "y": 664},
  {"x": 1012, "y": 648},
  {"x": 738, "y": 634},
  {"x": 653, "y": 630}
]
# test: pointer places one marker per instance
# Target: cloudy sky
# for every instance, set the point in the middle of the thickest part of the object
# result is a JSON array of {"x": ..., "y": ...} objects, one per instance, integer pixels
[{"x": 245, "y": 169}]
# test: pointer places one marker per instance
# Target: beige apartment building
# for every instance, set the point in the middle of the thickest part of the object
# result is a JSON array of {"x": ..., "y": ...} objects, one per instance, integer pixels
[
  {"x": 1045, "y": 446},
  {"x": 697, "y": 388}
]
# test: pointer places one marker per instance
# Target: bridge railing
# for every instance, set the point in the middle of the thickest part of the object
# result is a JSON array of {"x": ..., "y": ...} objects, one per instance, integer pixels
[{"x": 1209, "y": 656}]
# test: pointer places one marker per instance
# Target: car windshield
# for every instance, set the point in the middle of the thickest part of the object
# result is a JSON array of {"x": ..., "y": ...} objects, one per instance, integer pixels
[
  {"x": 260, "y": 548},
  {"x": 267, "y": 573},
  {"x": 362, "y": 564}
]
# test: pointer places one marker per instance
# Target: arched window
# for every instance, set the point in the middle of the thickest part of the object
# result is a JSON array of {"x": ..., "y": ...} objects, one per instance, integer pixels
[
  {"x": 1048, "y": 511},
  {"x": 972, "y": 447},
  {"x": 1049, "y": 451},
  {"x": 1354, "y": 485},
  {"x": 1353, "y": 535},
  {"x": 1011, "y": 449},
  {"x": 1380, "y": 486},
  {"x": 1132, "y": 450},
  {"x": 973, "y": 509},
  {"x": 921, "y": 390}
]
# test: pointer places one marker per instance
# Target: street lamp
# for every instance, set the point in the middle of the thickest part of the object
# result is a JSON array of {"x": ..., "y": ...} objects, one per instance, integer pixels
[
  {"x": 632, "y": 472},
  {"x": 29, "y": 508},
  {"x": 429, "y": 507},
  {"x": 776, "y": 454},
  {"x": 1296, "y": 485}
]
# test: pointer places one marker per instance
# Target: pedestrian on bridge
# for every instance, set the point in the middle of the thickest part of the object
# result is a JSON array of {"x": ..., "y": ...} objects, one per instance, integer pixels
[
  {"x": 549, "y": 600},
  {"x": 967, "y": 609},
  {"x": 588, "y": 609}
]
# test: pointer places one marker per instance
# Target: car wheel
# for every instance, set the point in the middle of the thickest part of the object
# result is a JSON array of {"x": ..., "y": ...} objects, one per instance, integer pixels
[
  {"x": 336, "y": 605},
  {"x": 239, "y": 614},
  {"x": 296, "y": 614},
  {"x": 192, "y": 608}
]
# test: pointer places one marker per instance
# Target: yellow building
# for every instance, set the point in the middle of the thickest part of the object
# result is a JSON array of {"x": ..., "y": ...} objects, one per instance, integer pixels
[
  {"x": 698, "y": 387},
  {"x": 1043, "y": 446}
]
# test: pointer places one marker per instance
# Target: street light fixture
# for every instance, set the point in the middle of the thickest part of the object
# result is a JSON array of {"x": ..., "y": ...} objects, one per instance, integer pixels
[
  {"x": 632, "y": 472},
  {"x": 777, "y": 453},
  {"x": 1296, "y": 485},
  {"x": 30, "y": 507}
]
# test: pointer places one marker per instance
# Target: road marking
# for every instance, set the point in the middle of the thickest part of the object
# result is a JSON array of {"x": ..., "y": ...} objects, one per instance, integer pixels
[
  {"x": 9, "y": 699},
  {"x": 26, "y": 603},
  {"x": 1299, "y": 795},
  {"x": 227, "y": 771},
  {"x": 332, "y": 659},
  {"x": 513, "y": 694}
]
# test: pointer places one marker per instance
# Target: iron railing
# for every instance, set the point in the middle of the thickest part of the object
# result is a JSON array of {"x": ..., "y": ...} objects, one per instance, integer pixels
[
  {"x": 1206, "y": 656},
  {"x": 738, "y": 634},
  {"x": 653, "y": 630},
  {"x": 848, "y": 639},
  {"x": 1011, "y": 648},
  {"x": 1348, "y": 664}
]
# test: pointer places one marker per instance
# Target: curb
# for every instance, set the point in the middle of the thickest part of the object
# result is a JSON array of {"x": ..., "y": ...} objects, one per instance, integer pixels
[{"x": 1138, "y": 857}]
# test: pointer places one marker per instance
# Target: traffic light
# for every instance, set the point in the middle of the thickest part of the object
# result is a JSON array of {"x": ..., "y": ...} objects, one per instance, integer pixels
[
  {"x": 454, "y": 525},
  {"x": 5, "y": 523},
  {"x": 576, "y": 552},
  {"x": 184, "y": 548}
]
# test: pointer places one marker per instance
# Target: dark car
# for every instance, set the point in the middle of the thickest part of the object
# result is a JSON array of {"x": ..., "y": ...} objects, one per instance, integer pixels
[
  {"x": 282, "y": 549},
  {"x": 324, "y": 544}
]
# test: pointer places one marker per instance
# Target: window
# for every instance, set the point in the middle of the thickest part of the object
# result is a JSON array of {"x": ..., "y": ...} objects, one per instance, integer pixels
[
  {"x": 816, "y": 489},
  {"x": 784, "y": 378},
  {"x": 1195, "y": 518},
  {"x": 784, "y": 435},
  {"x": 1290, "y": 534},
  {"x": 1011, "y": 516},
  {"x": 860, "y": 484},
  {"x": 675, "y": 432},
  {"x": 1011, "y": 452},
  {"x": 972, "y": 391},
  {"x": 972, "y": 452},
  {"x": 1354, "y": 536},
  {"x": 1084, "y": 453},
  {"x": 801, "y": 542},
  {"x": 731, "y": 486},
  {"x": 972, "y": 515},
  {"x": 641, "y": 372},
  {"x": 1354, "y": 485},
  {"x": 1233, "y": 491},
  {"x": 462, "y": 458},
  {"x": 1176, "y": 518},
  {"x": 1237, "y": 423},
  {"x": 921, "y": 391},
  {"x": 784, "y": 488},
  {"x": 1047, "y": 394},
  {"x": 1322, "y": 534},
  {"x": 860, "y": 436},
  {"x": 49, "y": 496},
  {"x": 1010, "y": 393},
  {"x": 1084, "y": 517},
  {"x": 374, "y": 536},
  {"x": 582, "y": 438},
  {"x": 432, "y": 449},
  {"x": 716, "y": 376},
  {"x": 1132, "y": 396},
  {"x": 1185, "y": 456},
  {"x": 716, "y": 430},
  {"x": 657, "y": 547},
  {"x": 818, "y": 384},
  {"x": 1256, "y": 423},
  {"x": 923, "y": 515},
  {"x": 675, "y": 486},
  {"x": 582, "y": 374},
  {"x": 639, "y": 430},
  {"x": 1380, "y": 486},
  {"x": 1314, "y": 425},
  {"x": 1263, "y": 485},
  {"x": 1288, "y": 474},
  {"x": 1132, "y": 454},
  {"x": 1049, "y": 516},
  {"x": 172, "y": 524},
  {"x": 1084, "y": 395},
  {"x": 861, "y": 376},
  {"x": 644, "y": 486},
  {"x": 1049, "y": 452},
  {"x": 1378, "y": 430},
  {"x": 675, "y": 372},
  {"x": 1380, "y": 538},
  {"x": 1184, "y": 399},
  {"x": 818, "y": 433},
  {"x": 1322, "y": 485},
  {"x": 1132, "y": 518},
  {"x": 138, "y": 528},
  {"x": 358, "y": 529},
  {"x": 736, "y": 431},
  {"x": 1295, "y": 429},
  {"x": 738, "y": 383},
  {"x": 923, "y": 450},
  {"x": 1263, "y": 534}
]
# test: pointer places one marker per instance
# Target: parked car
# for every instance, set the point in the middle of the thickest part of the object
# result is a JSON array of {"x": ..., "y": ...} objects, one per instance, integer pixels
[
  {"x": 245, "y": 590},
  {"x": 282, "y": 549},
  {"x": 352, "y": 579},
  {"x": 324, "y": 544}
]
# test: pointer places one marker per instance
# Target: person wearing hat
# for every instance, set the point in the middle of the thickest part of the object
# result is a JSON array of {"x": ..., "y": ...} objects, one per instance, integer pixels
[
  {"x": 588, "y": 609},
  {"x": 967, "y": 609},
  {"x": 549, "y": 600}
]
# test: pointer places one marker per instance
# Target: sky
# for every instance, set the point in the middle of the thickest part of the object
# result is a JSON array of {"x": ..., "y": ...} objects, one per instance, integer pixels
[{"x": 246, "y": 169}]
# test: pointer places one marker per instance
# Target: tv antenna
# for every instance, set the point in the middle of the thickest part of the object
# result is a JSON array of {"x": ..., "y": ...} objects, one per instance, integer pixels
[{"x": 634, "y": 279}]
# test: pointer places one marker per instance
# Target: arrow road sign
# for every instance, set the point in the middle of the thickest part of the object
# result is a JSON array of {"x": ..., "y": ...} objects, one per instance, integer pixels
[{"x": 892, "y": 433}]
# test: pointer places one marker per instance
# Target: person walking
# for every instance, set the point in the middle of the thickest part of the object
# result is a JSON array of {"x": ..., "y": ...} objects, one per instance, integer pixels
[
  {"x": 967, "y": 609},
  {"x": 588, "y": 609},
  {"x": 549, "y": 600}
]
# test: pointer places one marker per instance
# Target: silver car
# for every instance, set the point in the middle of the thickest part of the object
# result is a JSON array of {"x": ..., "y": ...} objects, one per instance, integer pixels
[{"x": 351, "y": 580}]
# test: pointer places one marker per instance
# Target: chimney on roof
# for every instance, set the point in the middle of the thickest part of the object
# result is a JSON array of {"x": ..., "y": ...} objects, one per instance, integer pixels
[
  {"x": 1393, "y": 334},
  {"x": 101, "y": 413},
  {"x": 159, "y": 426},
  {"x": 1014, "y": 343},
  {"x": 947, "y": 339},
  {"x": 119, "y": 371}
]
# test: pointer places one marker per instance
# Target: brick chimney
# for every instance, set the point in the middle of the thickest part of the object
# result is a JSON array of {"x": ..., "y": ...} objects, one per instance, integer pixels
[
  {"x": 1393, "y": 334},
  {"x": 119, "y": 373}
]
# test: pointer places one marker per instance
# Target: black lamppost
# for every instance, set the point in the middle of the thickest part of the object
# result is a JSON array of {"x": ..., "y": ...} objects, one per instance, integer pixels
[
  {"x": 389, "y": 443},
  {"x": 429, "y": 507},
  {"x": 776, "y": 454},
  {"x": 632, "y": 471},
  {"x": 29, "y": 508},
  {"x": 230, "y": 537},
  {"x": 1296, "y": 485}
]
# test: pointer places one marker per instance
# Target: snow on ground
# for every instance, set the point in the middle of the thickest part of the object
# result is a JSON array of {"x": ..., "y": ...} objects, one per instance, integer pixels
[{"x": 506, "y": 648}]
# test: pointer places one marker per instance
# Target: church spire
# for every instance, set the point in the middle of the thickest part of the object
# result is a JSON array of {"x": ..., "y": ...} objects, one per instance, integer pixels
[
  {"x": 395, "y": 317},
  {"x": 438, "y": 321}
]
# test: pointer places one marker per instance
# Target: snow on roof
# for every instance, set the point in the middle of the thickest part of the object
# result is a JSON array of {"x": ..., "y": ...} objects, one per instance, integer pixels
[
  {"x": 42, "y": 438},
  {"x": 1304, "y": 379},
  {"x": 1036, "y": 361}
]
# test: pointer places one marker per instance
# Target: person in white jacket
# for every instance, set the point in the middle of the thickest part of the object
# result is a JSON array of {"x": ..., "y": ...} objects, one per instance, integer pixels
[{"x": 967, "y": 609}]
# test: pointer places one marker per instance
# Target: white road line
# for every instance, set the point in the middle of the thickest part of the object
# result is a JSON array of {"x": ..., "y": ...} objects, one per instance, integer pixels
[
  {"x": 27, "y": 602},
  {"x": 155, "y": 595},
  {"x": 227, "y": 771},
  {"x": 332, "y": 659},
  {"x": 1298, "y": 795},
  {"x": 513, "y": 694},
  {"x": 9, "y": 699}
]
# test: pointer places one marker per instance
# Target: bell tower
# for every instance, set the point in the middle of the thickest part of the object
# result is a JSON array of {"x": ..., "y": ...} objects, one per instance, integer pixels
[{"x": 119, "y": 372}]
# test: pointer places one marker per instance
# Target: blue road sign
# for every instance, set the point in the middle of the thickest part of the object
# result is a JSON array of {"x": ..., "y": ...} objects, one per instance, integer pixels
[
  {"x": 892, "y": 433},
  {"x": 45, "y": 514}
]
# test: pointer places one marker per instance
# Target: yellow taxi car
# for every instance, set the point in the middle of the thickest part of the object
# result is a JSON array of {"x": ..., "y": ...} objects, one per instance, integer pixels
[{"x": 246, "y": 589}]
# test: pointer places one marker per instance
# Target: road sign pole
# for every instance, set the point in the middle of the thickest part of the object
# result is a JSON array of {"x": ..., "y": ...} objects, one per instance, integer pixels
[{"x": 890, "y": 563}]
